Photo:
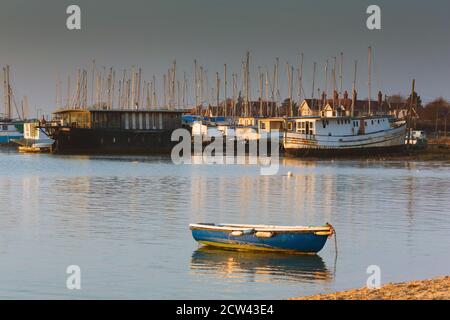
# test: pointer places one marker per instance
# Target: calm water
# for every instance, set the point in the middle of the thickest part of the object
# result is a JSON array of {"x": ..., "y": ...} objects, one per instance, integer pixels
[{"x": 124, "y": 221}]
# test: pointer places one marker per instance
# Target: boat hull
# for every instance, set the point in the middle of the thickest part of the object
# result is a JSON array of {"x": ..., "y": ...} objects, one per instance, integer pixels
[
  {"x": 298, "y": 242},
  {"x": 389, "y": 141},
  {"x": 103, "y": 141},
  {"x": 8, "y": 139}
]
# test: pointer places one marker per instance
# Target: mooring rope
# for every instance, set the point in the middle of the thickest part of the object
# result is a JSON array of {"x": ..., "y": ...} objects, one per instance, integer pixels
[{"x": 335, "y": 252}]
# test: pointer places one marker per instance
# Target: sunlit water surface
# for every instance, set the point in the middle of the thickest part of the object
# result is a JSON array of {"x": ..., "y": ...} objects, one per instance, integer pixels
[{"x": 124, "y": 221}]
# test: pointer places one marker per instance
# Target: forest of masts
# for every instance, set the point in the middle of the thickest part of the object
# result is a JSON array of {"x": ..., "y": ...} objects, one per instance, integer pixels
[
  {"x": 127, "y": 90},
  {"x": 9, "y": 100}
]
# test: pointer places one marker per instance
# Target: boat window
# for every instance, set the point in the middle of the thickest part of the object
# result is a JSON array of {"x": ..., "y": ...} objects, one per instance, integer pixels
[
  {"x": 372, "y": 122},
  {"x": 4, "y": 127},
  {"x": 290, "y": 125},
  {"x": 263, "y": 125},
  {"x": 365, "y": 123}
]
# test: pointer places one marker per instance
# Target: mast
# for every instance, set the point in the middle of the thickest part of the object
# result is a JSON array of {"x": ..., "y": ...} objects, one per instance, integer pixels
[
  {"x": 139, "y": 88},
  {"x": 68, "y": 93},
  {"x": 313, "y": 85},
  {"x": 234, "y": 93},
  {"x": 201, "y": 89},
  {"x": 58, "y": 93},
  {"x": 300, "y": 80},
  {"x": 184, "y": 90},
  {"x": 247, "y": 84},
  {"x": 174, "y": 75},
  {"x": 217, "y": 93},
  {"x": 261, "y": 79},
  {"x": 273, "y": 88},
  {"x": 196, "y": 87},
  {"x": 341, "y": 68},
  {"x": 85, "y": 89},
  {"x": 25, "y": 109},
  {"x": 77, "y": 101},
  {"x": 354, "y": 89},
  {"x": 267, "y": 93},
  {"x": 112, "y": 89},
  {"x": 133, "y": 86},
  {"x": 277, "y": 79},
  {"x": 370, "y": 78},
  {"x": 326, "y": 84},
  {"x": 289, "y": 76},
  {"x": 225, "y": 105},
  {"x": 93, "y": 76},
  {"x": 164, "y": 89},
  {"x": 334, "y": 82},
  {"x": 155, "y": 102},
  {"x": 411, "y": 103}
]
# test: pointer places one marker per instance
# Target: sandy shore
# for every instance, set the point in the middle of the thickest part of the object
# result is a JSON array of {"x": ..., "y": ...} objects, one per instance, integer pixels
[{"x": 434, "y": 289}]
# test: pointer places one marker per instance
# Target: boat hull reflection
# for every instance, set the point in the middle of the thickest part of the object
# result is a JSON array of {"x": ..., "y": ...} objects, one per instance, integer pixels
[{"x": 261, "y": 266}]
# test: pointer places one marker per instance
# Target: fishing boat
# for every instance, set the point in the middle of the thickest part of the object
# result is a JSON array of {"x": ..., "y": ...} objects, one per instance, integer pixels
[
  {"x": 344, "y": 135},
  {"x": 335, "y": 130},
  {"x": 299, "y": 239}
]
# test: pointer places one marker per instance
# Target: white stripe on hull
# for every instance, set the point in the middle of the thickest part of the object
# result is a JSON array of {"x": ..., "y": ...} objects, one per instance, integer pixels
[{"x": 383, "y": 139}]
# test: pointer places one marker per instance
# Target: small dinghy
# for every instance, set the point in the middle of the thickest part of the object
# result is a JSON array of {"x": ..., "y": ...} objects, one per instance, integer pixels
[{"x": 309, "y": 240}]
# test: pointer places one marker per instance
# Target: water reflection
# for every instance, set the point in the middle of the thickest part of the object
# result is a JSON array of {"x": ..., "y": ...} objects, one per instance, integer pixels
[{"x": 259, "y": 266}]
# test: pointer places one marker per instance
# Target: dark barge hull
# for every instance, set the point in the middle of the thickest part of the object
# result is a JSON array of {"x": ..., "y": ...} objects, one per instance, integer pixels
[
  {"x": 238, "y": 145},
  {"x": 343, "y": 153},
  {"x": 111, "y": 141}
]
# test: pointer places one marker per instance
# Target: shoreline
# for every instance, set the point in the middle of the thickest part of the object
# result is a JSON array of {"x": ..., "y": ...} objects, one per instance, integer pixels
[
  {"x": 430, "y": 289},
  {"x": 431, "y": 153}
]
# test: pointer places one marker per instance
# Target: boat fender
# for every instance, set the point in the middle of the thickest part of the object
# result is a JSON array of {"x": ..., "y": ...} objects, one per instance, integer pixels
[
  {"x": 264, "y": 234},
  {"x": 239, "y": 233},
  {"x": 329, "y": 232},
  {"x": 323, "y": 233}
]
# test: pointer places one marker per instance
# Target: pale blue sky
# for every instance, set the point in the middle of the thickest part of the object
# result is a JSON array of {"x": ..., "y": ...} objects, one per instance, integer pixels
[{"x": 413, "y": 41}]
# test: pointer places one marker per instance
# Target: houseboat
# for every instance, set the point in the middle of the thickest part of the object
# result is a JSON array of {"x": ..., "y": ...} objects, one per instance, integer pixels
[
  {"x": 113, "y": 131},
  {"x": 9, "y": 131},
  {"x": 343, "y": 135}
]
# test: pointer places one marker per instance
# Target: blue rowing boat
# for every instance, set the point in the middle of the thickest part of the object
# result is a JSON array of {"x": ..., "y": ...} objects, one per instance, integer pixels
[{"x": 308, "y": 240}]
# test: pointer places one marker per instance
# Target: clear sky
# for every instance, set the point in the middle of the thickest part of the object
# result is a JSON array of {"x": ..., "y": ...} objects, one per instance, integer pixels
[{"x": 413, "y": 43}]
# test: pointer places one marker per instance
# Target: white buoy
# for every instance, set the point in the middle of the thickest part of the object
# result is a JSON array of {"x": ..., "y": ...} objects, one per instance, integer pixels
[{"x": 289, "y": 174}]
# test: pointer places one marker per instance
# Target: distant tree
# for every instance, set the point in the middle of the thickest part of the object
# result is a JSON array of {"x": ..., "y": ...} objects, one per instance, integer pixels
[
  {"x": 437, "y": 107},
  {"x": 396, "y": 98},
  {"x": 417, "y": 101}
]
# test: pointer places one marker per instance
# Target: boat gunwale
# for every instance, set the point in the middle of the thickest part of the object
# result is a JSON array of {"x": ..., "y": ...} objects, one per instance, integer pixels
[{"x": 258, "y": 228}]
